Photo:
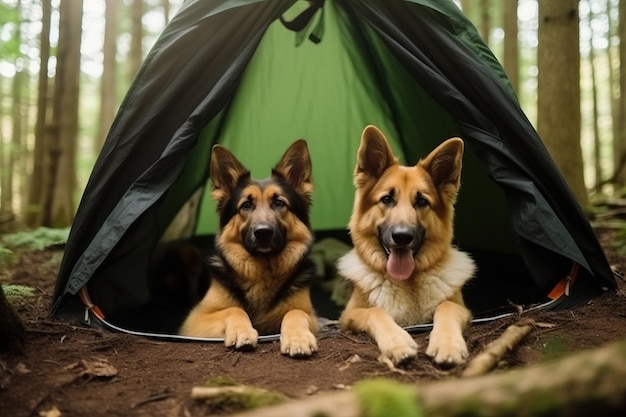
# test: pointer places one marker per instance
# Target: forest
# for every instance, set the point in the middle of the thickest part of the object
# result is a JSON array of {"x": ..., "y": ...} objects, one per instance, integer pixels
[
  {"x": 82, "y": 56},
  {"x": 70, "y": 69}
]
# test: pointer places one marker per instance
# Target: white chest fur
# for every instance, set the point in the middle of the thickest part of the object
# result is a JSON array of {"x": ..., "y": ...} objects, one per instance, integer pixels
[{"x": 414, "y": 300}]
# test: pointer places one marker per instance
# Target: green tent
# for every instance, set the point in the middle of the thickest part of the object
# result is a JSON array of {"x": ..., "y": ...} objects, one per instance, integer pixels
[{"x": 254, "y": 75}]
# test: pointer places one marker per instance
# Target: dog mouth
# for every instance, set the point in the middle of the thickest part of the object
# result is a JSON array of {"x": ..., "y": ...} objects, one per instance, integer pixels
[{"x": 400, "y": 245}]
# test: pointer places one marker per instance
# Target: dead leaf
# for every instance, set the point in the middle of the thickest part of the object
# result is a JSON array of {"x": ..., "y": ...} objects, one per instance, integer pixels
[
  {"x": 352, "y": 359},
  {"x": 53, "y": 412},
  {"x": 98, "y": 368},
  {"x": 22, "y": 369}
]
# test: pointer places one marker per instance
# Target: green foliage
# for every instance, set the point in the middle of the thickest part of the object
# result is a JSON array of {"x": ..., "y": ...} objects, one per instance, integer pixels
[
  {"x": 9, "y": 22},
  {"x": 384, "y": 397},
  {"x": 246, "y": 398},
  {"x": 17, "y": 292},
  {"x": 38, "y": 239},
  {"x": 554, "y": 348},
  {"x": 6, "y": 257}
]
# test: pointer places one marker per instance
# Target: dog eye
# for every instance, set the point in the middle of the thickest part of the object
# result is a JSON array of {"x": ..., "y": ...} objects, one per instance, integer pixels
[
  {"x": 246, "y": 205},
  {"x": 278, "y": 203},
  {"x": 421, "y": 201},
  {"x": 387, "y": 200}
]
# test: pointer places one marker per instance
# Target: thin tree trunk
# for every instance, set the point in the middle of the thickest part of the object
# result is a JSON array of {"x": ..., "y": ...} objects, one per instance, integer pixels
[
  {"x": 558, "y": 107},
  {"x": 597, "y": 165},
  {"x": 59, "y": 208},
  {"x": 619, "y": 141},
  {"x": 136, "y": 37},
  {"x": 166, "y": 11},
  {"x": 33, "y": 210},
  {"x": 108, "y": 88},
  {"x": 6, "y": 211},
  {"x": 485, "y": 20},
  {"x": 613, "y": 93},
  {"x": 511, "y": 51}
]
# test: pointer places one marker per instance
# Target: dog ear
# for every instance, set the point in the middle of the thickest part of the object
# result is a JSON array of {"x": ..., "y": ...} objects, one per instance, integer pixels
[
  {"x": 374, "y": 155},
  {"x": 226, "y": 171},
  {"x": 296, "y": 168},
  {"x": 443, "y": 165}
]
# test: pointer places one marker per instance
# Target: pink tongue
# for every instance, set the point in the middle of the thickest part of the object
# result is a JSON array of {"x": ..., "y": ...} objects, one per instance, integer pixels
[{"x": 400, "y": 263}]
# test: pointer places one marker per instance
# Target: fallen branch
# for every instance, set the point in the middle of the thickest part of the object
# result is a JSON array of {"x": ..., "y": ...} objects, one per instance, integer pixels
[
  {"x": 586, "y": 383},
  {"x": 493, "y": 353},
  {"x": 203, "y": 393}
]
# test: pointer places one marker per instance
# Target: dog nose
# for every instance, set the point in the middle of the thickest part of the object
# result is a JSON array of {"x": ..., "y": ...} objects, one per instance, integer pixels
[
  {"x": 402, "y": 235},
  {"x": 263, "y": 232}
]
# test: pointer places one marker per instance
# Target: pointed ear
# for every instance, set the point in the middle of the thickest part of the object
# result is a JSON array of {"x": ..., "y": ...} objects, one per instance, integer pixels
[
  {"x": 296, "y": 168},
  {"x": 226, "y": 171},
  {"x": 374, "y": 155},
  {"x": 444, "y": 166}
]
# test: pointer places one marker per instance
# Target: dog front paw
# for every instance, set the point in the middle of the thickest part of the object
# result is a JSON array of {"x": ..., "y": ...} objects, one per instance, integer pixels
[
  {"x": 398, "y": 347},
  {"x": 298, "y": 343},
  {"x": 447, "y": 350},
  {"x": 241, "y": 337}
]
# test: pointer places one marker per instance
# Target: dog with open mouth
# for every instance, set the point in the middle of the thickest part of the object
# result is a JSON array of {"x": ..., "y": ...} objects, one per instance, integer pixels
[{"x": 403, "y": 267}]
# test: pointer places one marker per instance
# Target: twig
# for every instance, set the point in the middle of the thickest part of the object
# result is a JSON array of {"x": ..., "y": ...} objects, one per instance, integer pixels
[
  {"x": 152, "y": 399},
  {"x": 493, "y": 353},
  {"x": 202, "y": 393}
]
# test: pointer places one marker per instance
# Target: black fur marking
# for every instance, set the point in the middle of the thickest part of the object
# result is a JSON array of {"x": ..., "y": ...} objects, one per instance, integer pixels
[{"x": 297, "y": 204}]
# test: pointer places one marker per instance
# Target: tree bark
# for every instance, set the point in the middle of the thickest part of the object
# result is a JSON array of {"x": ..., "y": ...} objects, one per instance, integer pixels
[
  {"x": 619, "y": 141},
  {"x": 59, "y": 202},
  {"x": 558, "y": 107},
  {"x": 33, "y": 209},
  {"x": 108, "y": 99},
  {"x": 582, "y": 384},
  {"x": 510, "y": 59},
  {"x": 11, "y": 327},
  {"x": 136, "y": 37}
]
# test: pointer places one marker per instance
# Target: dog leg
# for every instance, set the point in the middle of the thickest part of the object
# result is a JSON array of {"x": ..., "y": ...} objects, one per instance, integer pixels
[
  {"x": 393, "y": 341},
  {"x": 447, "y": 346},
  {"x": 233, "y": 324},
  {"x": 296, "y": 337}
]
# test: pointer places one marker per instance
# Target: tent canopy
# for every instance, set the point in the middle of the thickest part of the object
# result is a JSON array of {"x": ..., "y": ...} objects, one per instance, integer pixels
[{"x": 256, "y": 75}]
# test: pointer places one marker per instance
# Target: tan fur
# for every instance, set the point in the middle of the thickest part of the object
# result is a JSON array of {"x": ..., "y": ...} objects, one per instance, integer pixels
[
  {"x": 381, "y": 305},
  {"x": 219, "y": 313}
]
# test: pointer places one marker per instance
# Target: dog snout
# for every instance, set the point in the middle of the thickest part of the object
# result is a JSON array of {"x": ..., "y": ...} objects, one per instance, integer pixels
[
  {"x": 263, "y": 232},
  {"x": 403, "y": 236}
]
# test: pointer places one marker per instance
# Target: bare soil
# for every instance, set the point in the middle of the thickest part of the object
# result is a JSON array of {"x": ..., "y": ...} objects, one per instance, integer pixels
[{"x": 74, "y": 371}]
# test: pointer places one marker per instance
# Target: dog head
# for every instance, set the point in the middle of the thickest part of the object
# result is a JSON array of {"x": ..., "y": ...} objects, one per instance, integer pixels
[
  {"x": 402, "y": 220},
  {"x": 262, "y": 216}
]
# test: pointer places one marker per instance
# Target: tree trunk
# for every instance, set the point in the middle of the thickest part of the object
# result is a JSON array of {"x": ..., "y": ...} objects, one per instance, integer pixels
[
  {"x": 6, "y": 209},
  {"x": 597, "y": 147},
  {"x": 558, "y": 108},
  {"x": 589, "y": 383},
  {"x": 166, "y": 11},
  {"x": 510, "y": 59},
  {"x": 33, "y": 209},
  {"x": 136, "y": 37},
  {"x": 485, "y": 20},
  {"x": 11, "y": 327},
  {"x": 59, "y": 204},
  {"x": 108, "y": 99},
  {"x": 619, "y": 142}
]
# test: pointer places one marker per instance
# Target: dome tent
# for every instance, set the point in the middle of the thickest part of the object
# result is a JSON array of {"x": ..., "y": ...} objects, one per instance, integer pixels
[{"x": 254, "y": 75}]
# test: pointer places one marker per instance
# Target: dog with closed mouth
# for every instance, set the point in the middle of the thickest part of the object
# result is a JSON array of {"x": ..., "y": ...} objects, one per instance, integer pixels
[
  {"x": 403, "y": 268},
  {"x": 260, "y": 271}
]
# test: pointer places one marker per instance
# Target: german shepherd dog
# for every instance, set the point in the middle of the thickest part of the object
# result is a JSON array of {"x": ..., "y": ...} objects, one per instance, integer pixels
[
  {"x": 260, "y": 272},
  {"x": 403, "y": 267}
]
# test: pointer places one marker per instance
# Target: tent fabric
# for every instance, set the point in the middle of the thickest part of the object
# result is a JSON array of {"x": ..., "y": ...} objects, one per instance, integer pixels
[{"x": 232, "y": 72}]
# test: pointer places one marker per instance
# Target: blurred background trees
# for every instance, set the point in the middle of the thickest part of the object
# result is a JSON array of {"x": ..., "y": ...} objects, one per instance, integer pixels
[{"x": 65, "y": 66}]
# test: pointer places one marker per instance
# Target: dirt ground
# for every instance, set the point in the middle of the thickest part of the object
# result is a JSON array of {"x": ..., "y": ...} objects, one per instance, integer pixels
[{"x": 75, "y": 371}]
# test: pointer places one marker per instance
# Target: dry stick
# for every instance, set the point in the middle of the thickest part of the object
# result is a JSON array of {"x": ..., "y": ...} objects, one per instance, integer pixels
[
  {"x": 586, "y": 383},
  {"x": 201, "y": 393},
  {"x": 493, "y": 353}
]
